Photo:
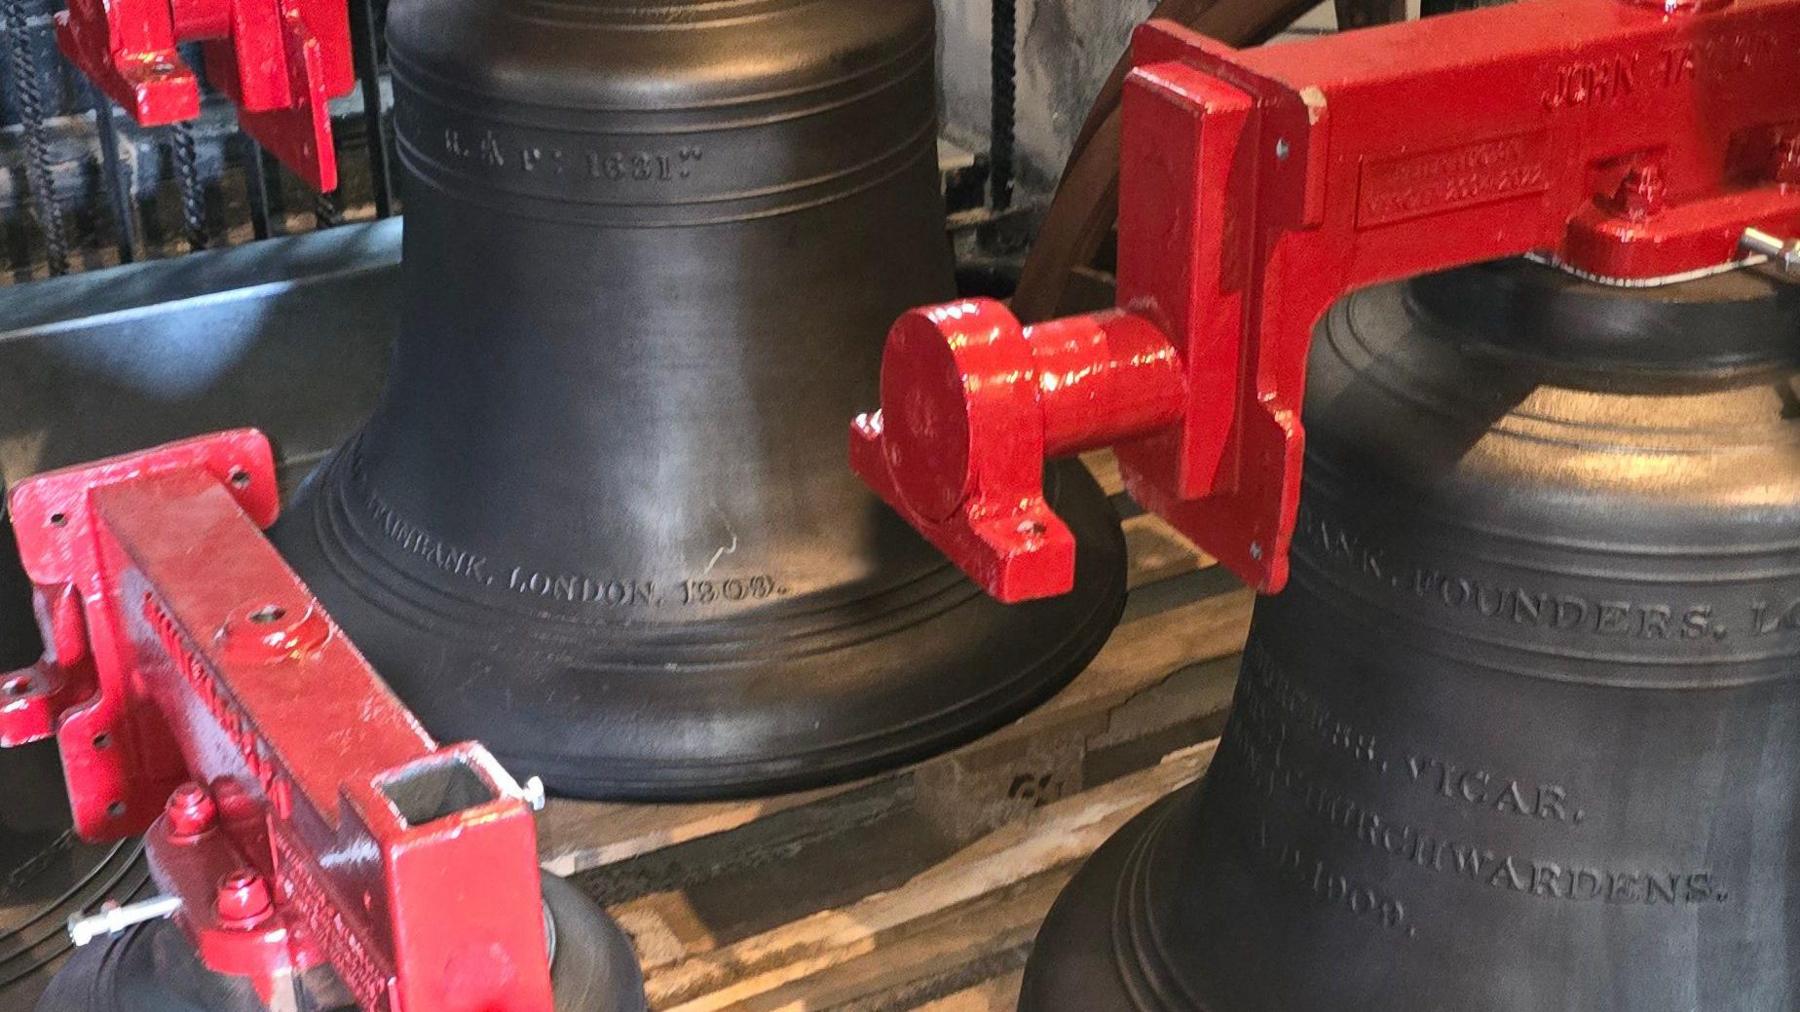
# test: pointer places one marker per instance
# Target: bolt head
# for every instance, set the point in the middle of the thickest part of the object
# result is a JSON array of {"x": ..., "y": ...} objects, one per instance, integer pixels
[
  {"x": 1642, "y": 193},
  {"x": 533, "y": 792},
  {"x": 191, "y": 812},
  {"x": 243, "y": 900},
  {"x": 1785, "y": 166},
  {"x": 269, "y": 632}
]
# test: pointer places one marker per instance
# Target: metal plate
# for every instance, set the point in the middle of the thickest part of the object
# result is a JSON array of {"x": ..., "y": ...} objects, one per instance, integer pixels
[{"x": 289, "y": 335}]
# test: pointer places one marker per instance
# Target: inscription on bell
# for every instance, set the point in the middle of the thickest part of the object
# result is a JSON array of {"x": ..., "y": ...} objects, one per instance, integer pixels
[
  {"x": 511, "y": 150},
  {"x": 572, "y": 588},
  {"x": 1350, "y": 551},
  {"x": 1486, "y": 790},
  {"x": 1774, "y": 616},
  {"x": 1294, "y": 865},
  {"x": 448, "y": 558},
  {"x": 1276, "y": 748}
]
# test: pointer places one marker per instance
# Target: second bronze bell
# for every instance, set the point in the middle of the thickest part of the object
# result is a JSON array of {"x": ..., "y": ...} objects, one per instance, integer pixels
[
  {"x": 1518, "y": 734},
  {"x": 602, "y": 518}
]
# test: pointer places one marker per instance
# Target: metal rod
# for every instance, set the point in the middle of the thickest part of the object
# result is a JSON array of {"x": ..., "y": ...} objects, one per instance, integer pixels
[
  {"x": 1783, "y": 253},
  {"x": 365, "y": 43},
  {"x": 256, "y": 177},
  {"x": 1001, "y": 125},
  {"x": 114, "y": 917},
  {"x": 118, "y": 184},
  {"x": 23, "y": 66}
]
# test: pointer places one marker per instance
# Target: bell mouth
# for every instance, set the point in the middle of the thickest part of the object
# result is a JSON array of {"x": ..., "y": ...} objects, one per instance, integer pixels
[
  {"x": 47, "y": 875},
  {"x": 1099, "y": 947},
  {"x": 842, "y": 682},
  {"x": 1737, "y": 320},
  {"x": 152, "y": 967}
]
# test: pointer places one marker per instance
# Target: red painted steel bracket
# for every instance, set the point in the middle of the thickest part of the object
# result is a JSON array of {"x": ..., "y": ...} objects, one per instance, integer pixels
[
  {"x": 202, "y": 697},
  {"x": 280, "y": 61},
  {"x": 1630, "y": 142}
]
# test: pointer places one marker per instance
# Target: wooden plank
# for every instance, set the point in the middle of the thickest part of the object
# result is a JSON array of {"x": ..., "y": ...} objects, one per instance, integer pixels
[
  {"x": 1000, "y": 994},
  {"x": 1146, "y": 650},
  {"x": 1159, "y": 552},
  {"x": 940, "y": 956},
  {"x": 1105, "y": 469},
  {"x": 574, "y": 836},
  {"x": 1056, "y": 836},
  {"x": 1040, "y": 757},
  {"x": 578, "y": 835}
]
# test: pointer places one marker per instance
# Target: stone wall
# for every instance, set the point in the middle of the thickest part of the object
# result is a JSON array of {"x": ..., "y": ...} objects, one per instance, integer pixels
[{"x": 1066, "y": 49}]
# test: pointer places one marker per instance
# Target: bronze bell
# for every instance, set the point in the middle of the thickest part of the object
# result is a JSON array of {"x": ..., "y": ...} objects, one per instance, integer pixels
[
  {"x": 1521, "y": 732},
  {"x": 46, "y": 874},
  {"x": 601, "y": 519}
]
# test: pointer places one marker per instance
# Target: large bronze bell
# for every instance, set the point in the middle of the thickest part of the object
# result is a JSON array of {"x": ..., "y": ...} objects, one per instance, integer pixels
[
  {"x": 601, "y": 519},
  {"x": 1521, "y": 732}
]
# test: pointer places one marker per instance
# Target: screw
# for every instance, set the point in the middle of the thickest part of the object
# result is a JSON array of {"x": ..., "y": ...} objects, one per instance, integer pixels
[
  {"x": 114, "y": 917},
  {"x": 268, "y": 613},
  {"x": 532, "y": 793},
  {"x": 1783, "y": 253},
  {"x": 243, "y": 900},
  {"x": 1281, "y": 149},
  {"x": 1784, "y": 167},
  {"x": 1256, "y": 550},
  {"x": 1642, "y": 192},
  {"x": 191, "y": 812}
]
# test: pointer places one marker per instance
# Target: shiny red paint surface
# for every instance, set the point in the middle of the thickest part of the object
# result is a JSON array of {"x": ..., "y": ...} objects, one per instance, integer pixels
[
  {"x": 972, "y": 404},
  {"x": 1257, "y": 187},
  {"x": 201, "y": 696},
  {"x": 280, "y": 61}
]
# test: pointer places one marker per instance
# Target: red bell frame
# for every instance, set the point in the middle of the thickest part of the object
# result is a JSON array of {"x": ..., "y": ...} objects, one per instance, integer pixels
[
  {"x": 1630, "y": 142},
  {"x": 199, "y": 695}
]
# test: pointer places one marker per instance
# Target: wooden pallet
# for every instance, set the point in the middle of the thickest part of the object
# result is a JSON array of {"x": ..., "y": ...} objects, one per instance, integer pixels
[{"x": 922, "y": 888}]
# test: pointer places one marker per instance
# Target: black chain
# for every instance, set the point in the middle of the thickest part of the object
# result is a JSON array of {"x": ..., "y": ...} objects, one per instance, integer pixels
[
  {"x": 325, "y": 211},
  {"x": 24, "y": 70},
  {"x": 187, "y": 177},
  {"x": 1005, "y": 70}
]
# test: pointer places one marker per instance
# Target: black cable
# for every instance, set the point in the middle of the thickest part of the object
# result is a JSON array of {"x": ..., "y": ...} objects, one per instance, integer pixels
[
  {"x": 187, "y": 178},
  {"x": 1001, "y": 124},
  {"x": 24, "y": 70}
]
